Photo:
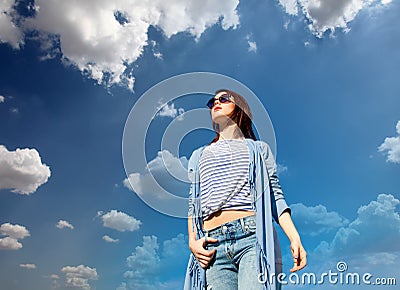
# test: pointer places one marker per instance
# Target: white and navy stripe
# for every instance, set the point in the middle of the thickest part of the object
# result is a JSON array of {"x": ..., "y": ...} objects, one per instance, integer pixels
[{"x": 224, "y": 172}]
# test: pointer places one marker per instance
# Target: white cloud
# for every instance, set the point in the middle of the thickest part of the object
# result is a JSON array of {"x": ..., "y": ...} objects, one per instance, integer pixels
[
  {"x": 162, "y": 176},
  {"x": 252, "y": 46},
  {"x": 377, "y": 258},
  {"x": 8, "y": 243},
  {"x": 28, "y": 266},
  {"x": 281, "y": 168},
  {"x": 14, "y": 110},
  {"x": 149, "y": 259},
  {"x": 328, "y": 15},
  {"x": 314, "y": 220},
  {"x": 374, "y": 231},
  {"x": 22, "y": 170},
  {"x": 110, "y": 240},
  {"x": 122, "y": 286},
  {"x": 14, "y": 231},
  {"x": 166, "y": 110},
  {"x": 290, "y": 6},
  {"x": 119, "y": 221},
  {"x": 103, "y": 38},
  {"x": 156, "y": 53},
  {"x": 392, "y": 146},
  {"x": 367, "y": 244},
  {"x": 144, "y": 260},
  {"x": 64, "y": 224},
  {"x": 79, "y": 276},
  {"x": 2, "y": 99},
  {"x": 9, "y": 32}
]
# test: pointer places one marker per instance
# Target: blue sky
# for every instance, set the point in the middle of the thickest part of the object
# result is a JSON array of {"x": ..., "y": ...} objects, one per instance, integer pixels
[{"x": 72, "y": 71}]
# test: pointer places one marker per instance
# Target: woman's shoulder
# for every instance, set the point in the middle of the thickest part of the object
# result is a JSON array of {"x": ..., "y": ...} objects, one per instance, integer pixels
[
  {"x": 196, "y": 153},
  {"x": 260, "y": 144}
]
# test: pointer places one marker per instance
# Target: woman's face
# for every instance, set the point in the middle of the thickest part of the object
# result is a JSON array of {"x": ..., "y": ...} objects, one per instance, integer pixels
[{"x": 221, "y": 109}]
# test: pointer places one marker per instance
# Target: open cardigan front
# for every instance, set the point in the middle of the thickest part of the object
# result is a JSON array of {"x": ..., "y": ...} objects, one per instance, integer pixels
[{"x": 268, "y": 203}]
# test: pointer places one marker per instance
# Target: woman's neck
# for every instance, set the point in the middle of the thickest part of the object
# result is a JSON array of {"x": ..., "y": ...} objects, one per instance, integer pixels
[{"x": 230, "y": 132}]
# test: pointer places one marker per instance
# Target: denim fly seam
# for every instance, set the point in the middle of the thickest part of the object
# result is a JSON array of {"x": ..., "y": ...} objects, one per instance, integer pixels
[{"x": 234, "y": 263}]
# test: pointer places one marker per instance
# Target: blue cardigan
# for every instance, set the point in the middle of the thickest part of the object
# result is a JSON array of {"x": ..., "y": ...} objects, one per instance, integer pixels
[{"x": 268, "y": 206}]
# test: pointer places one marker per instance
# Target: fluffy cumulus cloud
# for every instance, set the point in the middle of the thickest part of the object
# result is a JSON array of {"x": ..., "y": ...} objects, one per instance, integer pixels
[
  {"x": 79, "y": 276},
  {"x": 22, "y": 170},
  {"x": 314, "y": 220},
  {"x": 28, "y": 266},
  {"x": 150, "y": 264},
  {"x": 164, "y": 175},
  {"x": 165, "y": 110},
  {"x": 328, "y": 15},
  {"x": 9, "y": 31},
  {"x": 119, "y": 221},
  {"x": 64, "y": 224},
  {"x": 392, "y": 146},
  {"x": 11, "y": 236},
  {"x": 8, "y": 243},
  {"x": 372, "y": 234},
  {"x": 14, "y": 231},
  {"x": 103, "y": 38},
  {"x": 2, "y": 97},
  {"x": 365, "y": 245}
]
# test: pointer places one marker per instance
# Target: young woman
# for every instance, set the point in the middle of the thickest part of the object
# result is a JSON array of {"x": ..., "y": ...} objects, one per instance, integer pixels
[{"x": 234, "y": 196}]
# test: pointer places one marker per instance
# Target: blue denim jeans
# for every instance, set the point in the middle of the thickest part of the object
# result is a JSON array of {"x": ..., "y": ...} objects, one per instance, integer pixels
[{"x": 234, "y": 263}]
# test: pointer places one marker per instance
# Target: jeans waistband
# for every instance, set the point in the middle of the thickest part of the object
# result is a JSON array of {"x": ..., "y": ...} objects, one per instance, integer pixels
[{"x": 239, "y": 225}]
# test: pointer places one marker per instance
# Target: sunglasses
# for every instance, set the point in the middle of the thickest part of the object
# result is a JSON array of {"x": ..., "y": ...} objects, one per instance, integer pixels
[{"x": 223, "y": 99}]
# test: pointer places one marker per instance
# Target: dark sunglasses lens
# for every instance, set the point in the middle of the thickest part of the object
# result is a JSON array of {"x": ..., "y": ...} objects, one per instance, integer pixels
[
  {"x": 224, "y": 99},
  {"x": 210, "y": 103}
]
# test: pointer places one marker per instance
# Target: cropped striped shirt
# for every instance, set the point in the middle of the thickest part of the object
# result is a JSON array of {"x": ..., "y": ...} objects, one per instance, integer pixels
[{"x": 224, "y": 173}]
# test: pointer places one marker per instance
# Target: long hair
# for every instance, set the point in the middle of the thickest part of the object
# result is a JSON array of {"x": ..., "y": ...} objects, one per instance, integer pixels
[{"x": 241, "y": 115}]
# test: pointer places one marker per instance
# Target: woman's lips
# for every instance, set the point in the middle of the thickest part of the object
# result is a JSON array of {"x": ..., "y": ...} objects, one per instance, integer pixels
[{"x": 217, "y": 108}]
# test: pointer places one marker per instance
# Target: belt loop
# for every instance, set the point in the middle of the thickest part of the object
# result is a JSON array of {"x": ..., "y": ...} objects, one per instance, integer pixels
[{"x": 242, "y": 223}]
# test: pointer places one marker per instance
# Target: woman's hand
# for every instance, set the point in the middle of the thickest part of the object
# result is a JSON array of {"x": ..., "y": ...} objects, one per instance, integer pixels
[
  {"x": 197, "y": 247},
  {"x": 299, "y": 255},
  {"x": 298, "y": 252}
]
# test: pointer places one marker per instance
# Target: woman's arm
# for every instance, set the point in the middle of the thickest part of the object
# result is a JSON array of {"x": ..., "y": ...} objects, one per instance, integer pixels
[
  {"x": 298, "y": 252},
  {"x": 281, "y": 211}
]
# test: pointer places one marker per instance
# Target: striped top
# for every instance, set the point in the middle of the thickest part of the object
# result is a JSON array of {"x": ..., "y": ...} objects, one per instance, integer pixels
[{"x": 224, "y": 174}]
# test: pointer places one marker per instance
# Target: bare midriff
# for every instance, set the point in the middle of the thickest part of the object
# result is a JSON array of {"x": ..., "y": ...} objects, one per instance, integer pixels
[{"x": 223, "y": 216}]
